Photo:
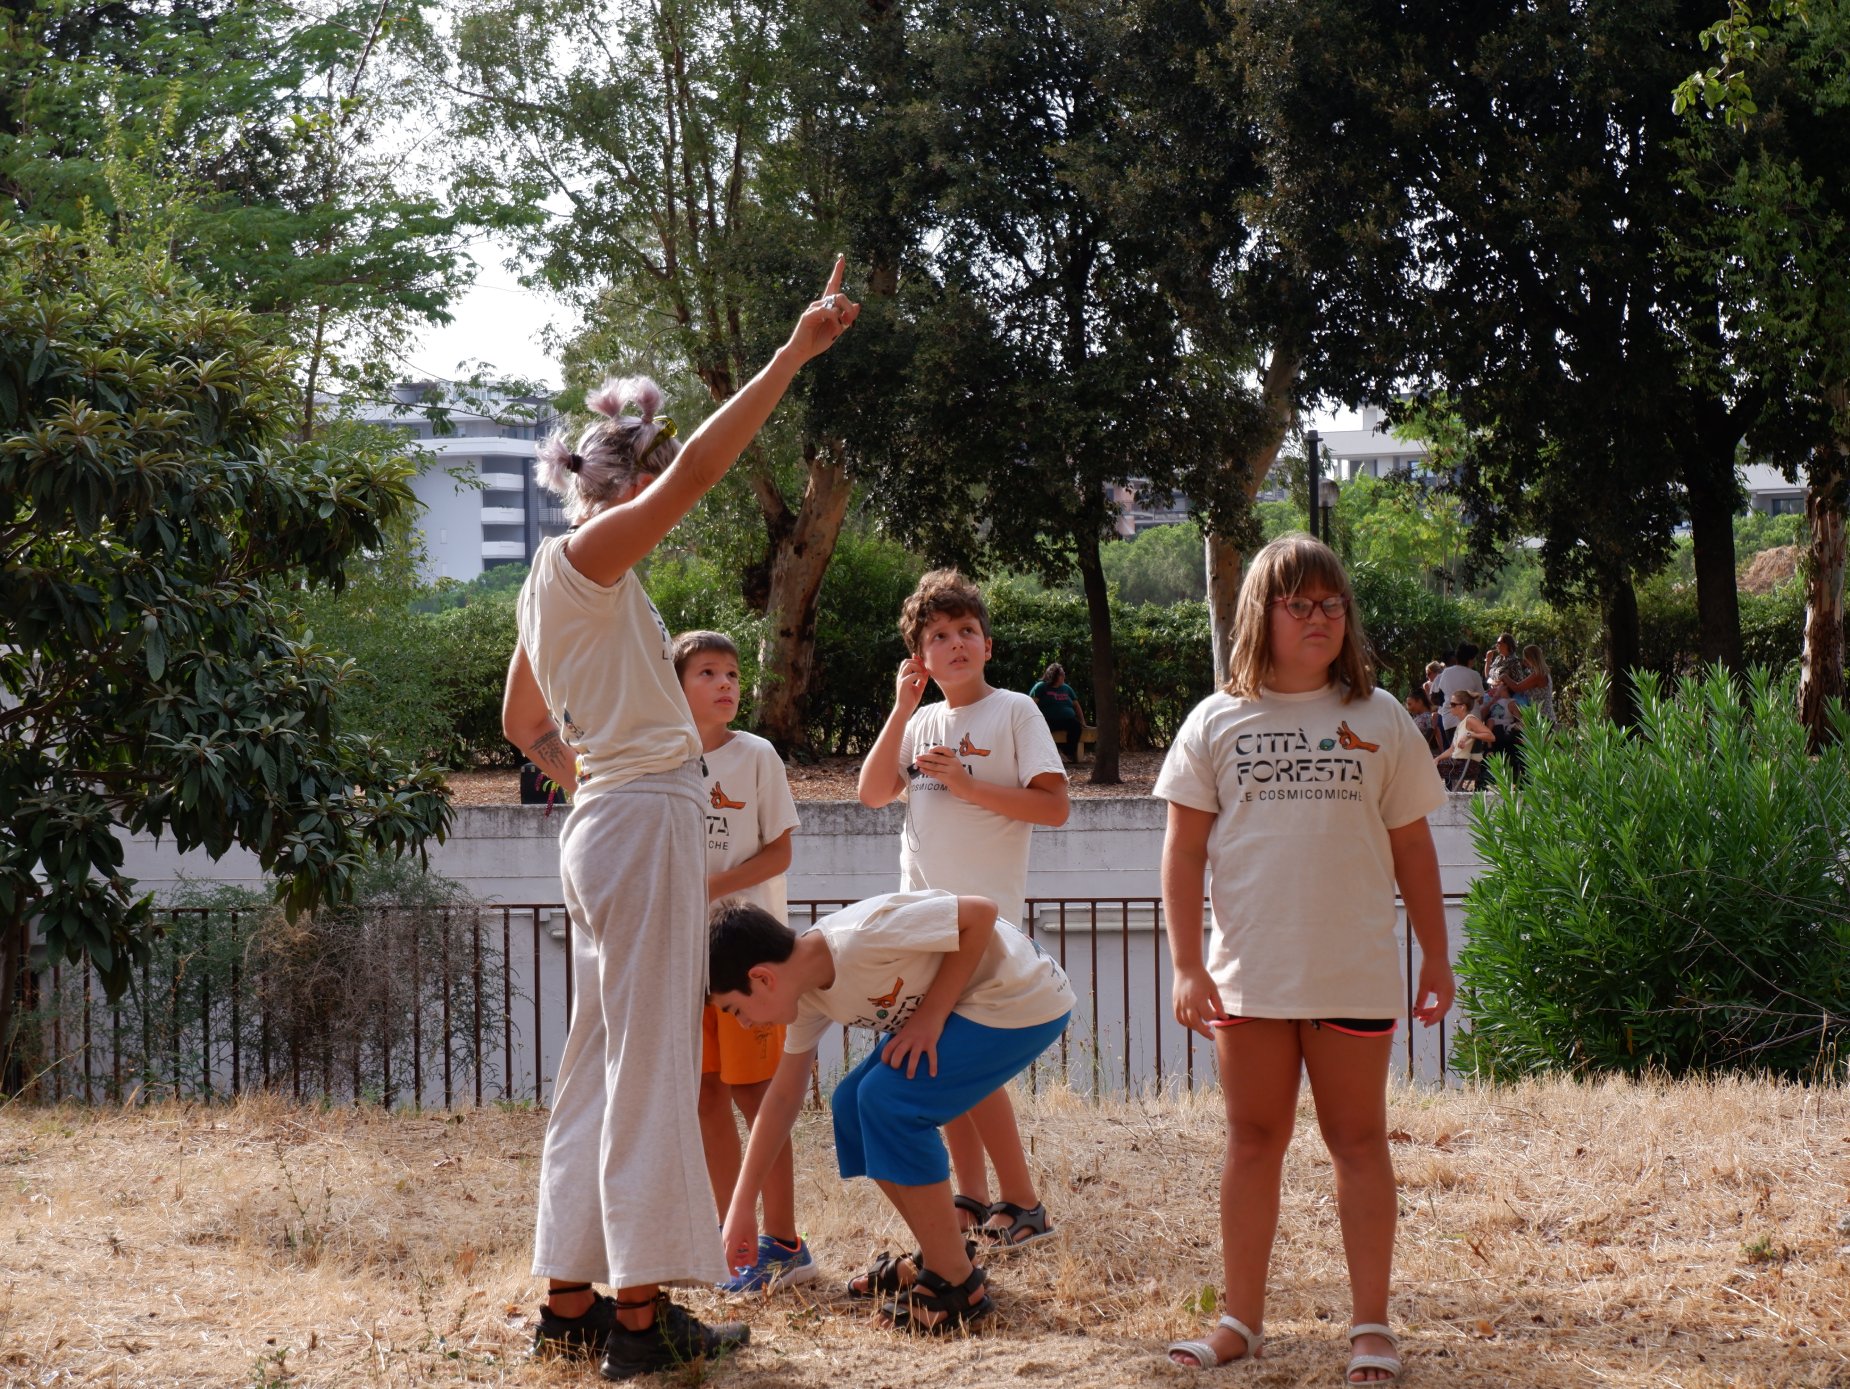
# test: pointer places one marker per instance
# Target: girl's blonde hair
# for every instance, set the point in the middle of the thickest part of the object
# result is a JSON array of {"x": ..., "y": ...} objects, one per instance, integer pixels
[{"x": 1288, "y": 564}]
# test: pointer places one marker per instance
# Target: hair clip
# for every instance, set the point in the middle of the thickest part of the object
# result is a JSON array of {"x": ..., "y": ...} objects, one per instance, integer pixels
[
  {"x": 574, "y": 462},
  {"x": 664, "y": 429}
]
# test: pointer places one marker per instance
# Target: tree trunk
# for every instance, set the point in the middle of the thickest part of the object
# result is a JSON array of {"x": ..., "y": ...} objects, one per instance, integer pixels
[
  {"x": 1821, "y": 664},
  {"x": 12, "y": 958},
  {"x": 800, "y": 554},
  {"x": 1225, "y": 560},
  {"x": 1619, "y": 612},
  {"x": 1104, "y": 663},
  {"x": 1713, "y": 493}
]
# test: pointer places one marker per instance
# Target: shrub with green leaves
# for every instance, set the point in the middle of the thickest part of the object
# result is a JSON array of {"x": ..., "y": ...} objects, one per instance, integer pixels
[
  {"x": 233, "y": 996},
  {"x": 1670, "y": 899},
  {"x": 158, "y": 516}
]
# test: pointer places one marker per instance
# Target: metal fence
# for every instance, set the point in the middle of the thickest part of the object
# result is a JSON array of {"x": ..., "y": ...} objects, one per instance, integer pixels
[{"x": 449, "y": 1006}]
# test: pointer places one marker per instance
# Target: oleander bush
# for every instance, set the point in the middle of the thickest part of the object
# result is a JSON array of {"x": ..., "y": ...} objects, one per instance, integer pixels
[{"x": 1670, "y": 899}]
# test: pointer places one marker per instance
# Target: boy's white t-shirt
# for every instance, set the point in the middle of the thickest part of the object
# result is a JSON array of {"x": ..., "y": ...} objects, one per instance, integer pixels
[
  {"x": 950, "y": 844},
  {"x": 888, "y": 949},
  {"x": 1304, "y": 789},
  {"x": 748, "y": 804},
  {"x": 604, "y": 663}
]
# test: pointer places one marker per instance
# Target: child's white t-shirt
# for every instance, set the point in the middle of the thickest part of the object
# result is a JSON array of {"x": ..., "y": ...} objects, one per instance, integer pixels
[
  {"x": 604, "y": 663},
  {"x": 1304, "y": 789},
  {"x": 887, "y": 950},
  {"x": 748, "y": 804},
  {"x": 952, "y": 844}
]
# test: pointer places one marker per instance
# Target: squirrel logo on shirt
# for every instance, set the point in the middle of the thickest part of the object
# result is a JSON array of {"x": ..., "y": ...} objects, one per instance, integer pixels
[
  {"x": 886, "y": 1001},
  {"x": 966, "y": 748},
  {"x": 719, "y": 801}
]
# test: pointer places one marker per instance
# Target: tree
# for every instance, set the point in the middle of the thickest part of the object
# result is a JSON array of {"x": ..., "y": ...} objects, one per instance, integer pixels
[
  {"x": 261, "y": 142},
  {"x": 1780, "y": 241},
  {"x": 1564, "y": 309},
  {"x": 1094, "y": 382},
  {"x": 1160, "y": 565},
  {"x": 1279, "y": 222},
  {"x": 152, "y": 518},
  {"x": 700, "y": 150}
]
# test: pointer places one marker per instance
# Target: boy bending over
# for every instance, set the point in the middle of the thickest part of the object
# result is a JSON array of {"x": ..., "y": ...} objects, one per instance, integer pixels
[{"x": 961, "y": 1003}]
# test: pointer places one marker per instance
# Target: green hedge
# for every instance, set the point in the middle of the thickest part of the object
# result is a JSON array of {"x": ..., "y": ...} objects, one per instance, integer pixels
[
  {"x": 432, "y": 679},
  {"x": 1667, "y": 899}
]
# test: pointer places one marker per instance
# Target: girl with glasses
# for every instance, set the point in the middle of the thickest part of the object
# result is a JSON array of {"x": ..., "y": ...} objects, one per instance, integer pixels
[{"x": 1301, "y": 790}]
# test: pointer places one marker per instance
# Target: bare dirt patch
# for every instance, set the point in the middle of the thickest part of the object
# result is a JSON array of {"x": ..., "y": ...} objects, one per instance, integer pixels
[
  {"x": 1552, "y": 1234},
  {"x": 828, "y": 779}
]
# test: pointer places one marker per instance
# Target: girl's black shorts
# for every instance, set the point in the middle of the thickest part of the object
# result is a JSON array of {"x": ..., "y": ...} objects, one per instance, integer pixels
[{"x": 1353, "y": 1027}]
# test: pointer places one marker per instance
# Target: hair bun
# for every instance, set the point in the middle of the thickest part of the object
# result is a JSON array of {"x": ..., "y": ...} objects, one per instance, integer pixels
[{"x": 618, "y": 391}]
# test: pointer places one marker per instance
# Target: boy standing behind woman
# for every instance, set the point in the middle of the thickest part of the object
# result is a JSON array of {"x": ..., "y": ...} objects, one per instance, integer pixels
[
  {"x": 749, "y": 819},
  {"x": 977, "y": 771}
]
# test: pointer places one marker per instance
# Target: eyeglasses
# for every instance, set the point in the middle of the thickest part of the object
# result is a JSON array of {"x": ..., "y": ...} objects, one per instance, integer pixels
[{"x": 1300, "y": 608}]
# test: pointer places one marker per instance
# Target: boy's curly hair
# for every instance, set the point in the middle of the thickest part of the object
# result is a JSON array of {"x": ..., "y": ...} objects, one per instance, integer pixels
[{"x": 941, "y": 593}]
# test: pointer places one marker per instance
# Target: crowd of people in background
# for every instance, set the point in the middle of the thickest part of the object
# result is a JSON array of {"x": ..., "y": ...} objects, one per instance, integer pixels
[{"x": 1468, "y": 712}]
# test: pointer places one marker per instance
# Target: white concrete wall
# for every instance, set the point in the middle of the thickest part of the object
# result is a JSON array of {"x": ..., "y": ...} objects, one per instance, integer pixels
[
  {"x": 842, "y": 852},
  {"x": 1118, "y": 963}
]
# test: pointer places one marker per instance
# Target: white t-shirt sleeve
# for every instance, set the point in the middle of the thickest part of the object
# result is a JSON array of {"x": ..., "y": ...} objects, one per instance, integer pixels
[
  {"x": 1413, "y": 790},
  {"x": 1035, "y": 753},
  {"x": 777, "y": 808},
  {"x": 1187, "y": 777}
]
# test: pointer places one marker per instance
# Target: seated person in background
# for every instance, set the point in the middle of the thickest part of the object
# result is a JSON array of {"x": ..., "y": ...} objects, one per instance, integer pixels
[
  {"x": 1470, "y": 737},
  {"x": 1420, "y": 708},
  {"x": 1534, "y": 688},
  {"x": 1059, "y": 705},
  {"x": 1504, "y": 716},
  {"x": 1433, "y": 697},
  {"x": 1456, "y": 679},
  {"x": 1510, "y": 668}
]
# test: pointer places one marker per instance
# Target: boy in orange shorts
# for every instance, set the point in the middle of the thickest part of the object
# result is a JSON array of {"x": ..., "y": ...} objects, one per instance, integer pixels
[{"x": 750, "y": 817}]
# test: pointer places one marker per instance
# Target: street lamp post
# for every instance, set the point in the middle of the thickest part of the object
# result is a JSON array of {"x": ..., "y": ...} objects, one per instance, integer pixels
[{"x": 1313, "y": 477}]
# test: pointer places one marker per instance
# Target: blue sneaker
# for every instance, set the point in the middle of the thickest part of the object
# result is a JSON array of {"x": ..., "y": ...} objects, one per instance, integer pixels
[{"x": 778, "y": 1266}]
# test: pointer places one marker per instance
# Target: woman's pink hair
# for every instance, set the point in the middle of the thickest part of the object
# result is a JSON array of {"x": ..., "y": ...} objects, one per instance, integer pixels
[{"x": 610, "y": 450}]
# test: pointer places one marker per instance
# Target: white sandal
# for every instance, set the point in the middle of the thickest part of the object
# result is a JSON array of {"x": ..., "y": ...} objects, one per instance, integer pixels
[
  {"x": 1204, "y": 1353},
  {"x": 1390, "y": 1363}
]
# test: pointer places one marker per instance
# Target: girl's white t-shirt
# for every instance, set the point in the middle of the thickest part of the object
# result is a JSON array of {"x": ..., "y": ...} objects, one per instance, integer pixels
[
  {"x": 887, "y": 950},
  {"x": 604, "y": 662},
  {"x": 748, "y": 804},
  {"x": 1304, "y": 789},
  {"x": 954, "y": 845}
]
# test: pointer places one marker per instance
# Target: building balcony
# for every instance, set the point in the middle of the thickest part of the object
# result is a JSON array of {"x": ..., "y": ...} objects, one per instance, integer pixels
[
  {"x": 504, "y": 516},
  {"x": 504, "y": 549},
  {"x": 503, "y": 482}
]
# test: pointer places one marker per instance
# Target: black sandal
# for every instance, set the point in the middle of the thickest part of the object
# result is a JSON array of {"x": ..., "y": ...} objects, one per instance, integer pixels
[
  {"x": 934, "y": 1294},
  {"x": 970, "y": 1206},
  {"x": 883, "y": 1276},
  {"x": 1027, "y": 1225}
]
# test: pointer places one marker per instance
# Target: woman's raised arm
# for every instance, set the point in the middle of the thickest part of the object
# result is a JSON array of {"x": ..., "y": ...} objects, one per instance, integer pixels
[{"x": 613, "y": 541}]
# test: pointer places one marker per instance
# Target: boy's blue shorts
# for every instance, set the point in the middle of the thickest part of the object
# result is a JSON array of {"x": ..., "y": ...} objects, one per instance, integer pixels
[{"x": 886, "y": 1126}]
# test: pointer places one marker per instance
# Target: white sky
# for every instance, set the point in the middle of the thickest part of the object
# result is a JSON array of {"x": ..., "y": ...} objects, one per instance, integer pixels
[{"x": 497, "y": 322}]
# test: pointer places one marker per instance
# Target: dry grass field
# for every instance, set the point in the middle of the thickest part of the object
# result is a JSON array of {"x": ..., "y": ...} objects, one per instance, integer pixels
[{"x": 1553, "y": 1234}]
